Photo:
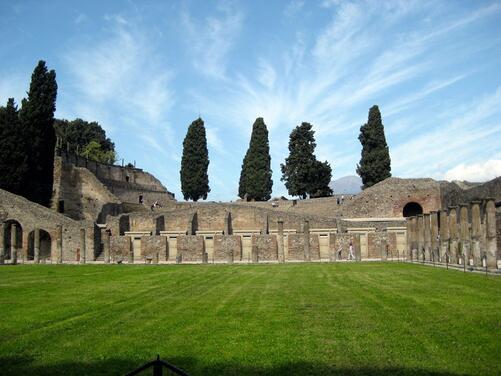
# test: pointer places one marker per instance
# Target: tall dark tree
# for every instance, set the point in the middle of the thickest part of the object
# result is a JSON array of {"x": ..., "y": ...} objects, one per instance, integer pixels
[
  {"x": 375, "y": 164},
  {"x": 37, "y": 121},
  {"x": 195, "y": 163},
  {"x": 13, "y": 159},
  {"x": 255, "y": 178},
  {"x": 302, "y": 173}
]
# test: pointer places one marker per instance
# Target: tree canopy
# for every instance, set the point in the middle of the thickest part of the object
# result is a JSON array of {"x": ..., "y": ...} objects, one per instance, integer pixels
[
  {"x": 302, "y": 173},
  {"x": 375, "y": 163},
  {"x": 195, "y": 163},
  {"x": 255, "y": 178},
  {"x": 85, "y": 138}
]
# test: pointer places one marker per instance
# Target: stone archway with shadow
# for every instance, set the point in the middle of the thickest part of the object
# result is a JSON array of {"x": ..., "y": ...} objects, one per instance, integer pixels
[
  {"x": 411, "y": 209},
  {"x": 7, "y": 228},
  {"x": 45, "y": 245}
]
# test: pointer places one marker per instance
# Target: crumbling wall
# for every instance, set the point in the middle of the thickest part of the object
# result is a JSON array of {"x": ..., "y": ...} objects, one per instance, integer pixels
[
  {"x": 227, "y": 248},
  {"x": 190, "y": 248},
  {"x": 264, "y": 248}
]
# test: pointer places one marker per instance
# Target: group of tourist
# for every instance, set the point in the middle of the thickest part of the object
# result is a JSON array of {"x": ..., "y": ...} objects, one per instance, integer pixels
[{"x": 351, "y": 255}]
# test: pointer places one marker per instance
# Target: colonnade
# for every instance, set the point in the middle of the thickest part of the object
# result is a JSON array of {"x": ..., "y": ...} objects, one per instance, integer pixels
[{"x": 464, "y": 234}]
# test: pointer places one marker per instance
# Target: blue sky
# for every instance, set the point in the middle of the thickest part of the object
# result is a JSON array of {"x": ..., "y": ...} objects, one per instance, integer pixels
[{"x": 145, "y": 69}]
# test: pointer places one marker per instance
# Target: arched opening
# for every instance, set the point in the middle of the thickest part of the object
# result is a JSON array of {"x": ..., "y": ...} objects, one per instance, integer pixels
[
  {"x": 45, "y": 245},
  {"x": 7, "y": 237},
  {"x": 411, "y": 209}
]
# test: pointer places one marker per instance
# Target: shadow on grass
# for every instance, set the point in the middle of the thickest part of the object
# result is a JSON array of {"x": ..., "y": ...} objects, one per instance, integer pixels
[{"x": 26, "y": 366}]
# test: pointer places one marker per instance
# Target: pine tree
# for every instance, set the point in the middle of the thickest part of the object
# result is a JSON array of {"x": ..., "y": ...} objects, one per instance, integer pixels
[
  {"x": 302, "y": 173},
  {"x": 375, "y": 163},
  {"x": 255, "y": 178},
  {"x": 37, "y": 119},
  {"x": 195, "y": 163},
  {"x": 13, "y": 159}
]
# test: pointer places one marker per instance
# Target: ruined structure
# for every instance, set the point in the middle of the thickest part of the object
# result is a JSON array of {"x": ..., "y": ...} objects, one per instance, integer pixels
[{"x": 97, "y": 216}]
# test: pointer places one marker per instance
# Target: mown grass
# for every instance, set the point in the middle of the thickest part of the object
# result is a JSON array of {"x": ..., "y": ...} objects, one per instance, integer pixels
[{"x": 318, "y": 319}]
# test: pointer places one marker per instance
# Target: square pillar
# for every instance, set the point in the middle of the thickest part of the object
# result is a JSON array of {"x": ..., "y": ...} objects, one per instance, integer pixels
[
  {"x": 427, "y": 236},
  {"x": 444, "y": 235},
  {"x": 306, "y": 235},
  {"x": 420, "y": 237},
  {"x": 36, "y": 246},
  {"x": 83, "y": 248},
  {"x": 464, "y": 233},
  {"x": 59, "y": 244},
  {"x": 490, "y": 233},
  {"x": 131, "y": 250},
  {"x": 280, "y": 240},
  {"x": 476, "y": 233},
  {"x": 453, "y": 235},
  {"x": 13, "y": 244},
  {"x": 2, "y": 243},
  {"x": 106, "y": 246},
  {"x": 434, "y": 235}
]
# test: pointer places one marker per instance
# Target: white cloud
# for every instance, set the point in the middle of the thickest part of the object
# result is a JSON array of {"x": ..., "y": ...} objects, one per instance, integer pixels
[{"x": 475, "y": 172}]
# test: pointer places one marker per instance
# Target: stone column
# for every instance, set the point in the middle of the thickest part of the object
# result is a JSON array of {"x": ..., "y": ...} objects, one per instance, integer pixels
[
  {"x": 83, "y": 248},
  {"x": 490, "y": 232},
  {"x": 106, "y": 247},
  {"x": 420, "y": 237},
  {"x": 280, "y": 240},
  {"x": 476, "y": 233},
  {"x": 453, "y": 235},
  {"x": 306, "y": 235},
  {"x": 59, "y": 244},
  {"x": 408, "y": 237},
  {"x": 427, "y": 236},
  {"x": 382, "y": 247},
  {"x": 464, "y": 232},
  {"x": 131, "y": 250},
  {"x": 227, "y": 223},
  {"x": 434, "y": 234},
  {"x": 36, "y": 246},
  {"x": 356, "y": 246},
  {"x": 414, "y": 238},
  {"x": 2, "y": 243},
  {"x": 265, "y": 230},
  {"x": 13, "y": 244},
  {"x": 444, "y": 235}
]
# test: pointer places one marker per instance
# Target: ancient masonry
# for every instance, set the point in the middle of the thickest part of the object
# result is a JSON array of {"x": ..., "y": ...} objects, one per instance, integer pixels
[{"x": 102, "y": 214}]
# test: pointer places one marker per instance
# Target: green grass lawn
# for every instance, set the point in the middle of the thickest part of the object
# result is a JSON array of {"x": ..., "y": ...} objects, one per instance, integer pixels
[{"x": 319, "y": 319}]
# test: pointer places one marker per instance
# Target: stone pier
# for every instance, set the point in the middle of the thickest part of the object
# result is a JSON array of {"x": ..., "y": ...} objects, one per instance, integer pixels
[
  {"x": 106, "y": 246},
  {"x": 434, "y": 235},
  {"x": 13, "y": 244},
  {"x": 2, "y": 243},
  {"x": 83, "y": 247},
  {"x": 444, "y": 235},
  {"x": 490, "y": 232},
  {"x": 59, "y": 244},
  {"x": 427, "y": 236},
  {"x": 280, "y": 241},
  {"x": 306, "y": 235},
  {"x": 453, "y": 234},
  {"x": 476, "y": 233},
  {"x": 36, "y": 246},
  {"x": 130, "y": 249},
  {"x": 464, "y": 233},
  {"x": 420, "y": 237}
]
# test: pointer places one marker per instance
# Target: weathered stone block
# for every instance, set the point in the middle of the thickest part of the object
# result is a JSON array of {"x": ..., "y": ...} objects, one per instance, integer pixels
[
  {"x": 264, "y": 248},
  {"x": 296, "y": 247},
  {"x": 154, "y": 248},
  {"x": 227, "y": 248},
  {"x": 190, "y": 248}
]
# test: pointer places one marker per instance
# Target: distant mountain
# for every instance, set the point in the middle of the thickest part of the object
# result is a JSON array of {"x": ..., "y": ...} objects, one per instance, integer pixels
[{"x": 346, "y": 185}]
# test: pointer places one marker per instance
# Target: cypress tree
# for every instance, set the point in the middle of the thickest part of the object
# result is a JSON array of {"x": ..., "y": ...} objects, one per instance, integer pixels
[
  {"x": 375, "y": 163},
  {"x": 13, "y": 159},
  {"x": 37, "y": 119},
  {"x": 255, "y": 178},
  {"x": 302, "y": 173},
  {"x": 195, "y": 162}
]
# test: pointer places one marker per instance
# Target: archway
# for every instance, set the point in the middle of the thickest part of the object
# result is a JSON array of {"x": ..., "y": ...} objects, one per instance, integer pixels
[
  {"x": 7, "y": 237},
  {"x": 45, "y": 245},
  {"x": 411, "y": 209}
]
